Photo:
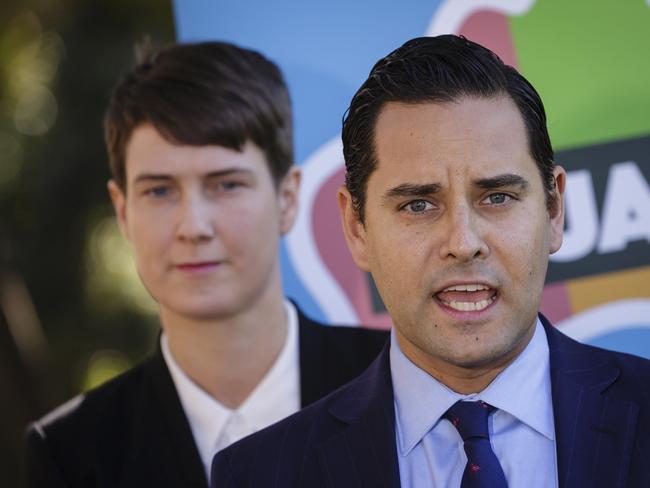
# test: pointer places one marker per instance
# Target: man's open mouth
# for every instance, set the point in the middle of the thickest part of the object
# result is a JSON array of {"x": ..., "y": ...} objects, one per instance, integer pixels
[{"x": 469, "y": 297}]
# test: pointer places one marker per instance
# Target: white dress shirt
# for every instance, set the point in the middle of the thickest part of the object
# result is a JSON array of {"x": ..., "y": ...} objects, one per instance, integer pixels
[
  {"x": 277, "y": 396},
  {"x": 522, "y": 431}
]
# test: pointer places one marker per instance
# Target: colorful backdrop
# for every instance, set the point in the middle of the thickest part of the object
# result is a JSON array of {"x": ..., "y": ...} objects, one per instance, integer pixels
[{"x": 588, "y": 60}]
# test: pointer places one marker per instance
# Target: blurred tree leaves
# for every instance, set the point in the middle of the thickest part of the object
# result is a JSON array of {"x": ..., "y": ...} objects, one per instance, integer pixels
[{"x": 59, "y": 251}]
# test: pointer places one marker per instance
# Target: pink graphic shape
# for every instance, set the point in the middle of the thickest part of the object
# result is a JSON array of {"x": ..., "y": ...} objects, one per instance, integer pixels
[
  {"x": 555, "y": 302},
  {"x": 492, "y": 30},
  {"x": 330, "y": 241}
]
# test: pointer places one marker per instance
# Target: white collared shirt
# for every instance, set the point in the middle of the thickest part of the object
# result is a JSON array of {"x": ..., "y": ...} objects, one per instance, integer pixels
[
  {"x": 522, "y": 431},
  {"x": 277, "y": 396}
]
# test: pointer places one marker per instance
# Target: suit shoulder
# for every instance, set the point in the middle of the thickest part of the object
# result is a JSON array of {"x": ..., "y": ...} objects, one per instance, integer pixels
[
  {"x": 80, "y": 416},
  {"x": 360, "y": 337},
  {"x": 634, "y": 367},
  {"x": 64, "y": 446},
  {"x": 356, "y": 337},
  {"x": 625, "y": 361},
  {"x": 634, "y": 371}
]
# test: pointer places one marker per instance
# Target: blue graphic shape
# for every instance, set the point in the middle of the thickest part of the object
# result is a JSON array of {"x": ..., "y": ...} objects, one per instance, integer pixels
[
  {"x": 632, "y": 340},
  {"x": 325, "y": 50}
]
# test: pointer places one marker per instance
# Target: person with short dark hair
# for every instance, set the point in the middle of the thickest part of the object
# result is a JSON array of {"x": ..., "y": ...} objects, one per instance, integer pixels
[
  {"x": 200, "y": 144},
  {"x": 453, "y": 202}
]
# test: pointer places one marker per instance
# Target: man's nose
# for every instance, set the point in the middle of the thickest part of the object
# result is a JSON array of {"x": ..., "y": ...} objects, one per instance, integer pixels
[
  {"x": 195, "y": 220},
  {"x": 463, "y": 238}
]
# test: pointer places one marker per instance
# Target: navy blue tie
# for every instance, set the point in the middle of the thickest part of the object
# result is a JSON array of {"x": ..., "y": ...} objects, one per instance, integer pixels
[{"x": 483, "y": 469}]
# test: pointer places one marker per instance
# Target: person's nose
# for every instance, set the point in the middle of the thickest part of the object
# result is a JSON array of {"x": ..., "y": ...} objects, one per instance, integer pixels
[
  {"x": 195, "y": 220},
  {"x": 463, "y": 238}
]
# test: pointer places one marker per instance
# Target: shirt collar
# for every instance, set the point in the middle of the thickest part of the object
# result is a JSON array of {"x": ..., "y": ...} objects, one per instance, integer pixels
[
  {"x": 278, "y": 394},
  {"x": 206, "y": 416},
  {"x": 275, "y": 397},
  {"x": 523, "y": 390}
]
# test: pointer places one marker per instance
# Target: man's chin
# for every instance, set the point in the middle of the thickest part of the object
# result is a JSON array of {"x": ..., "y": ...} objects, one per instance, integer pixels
[{"x": 480, "y": 358}]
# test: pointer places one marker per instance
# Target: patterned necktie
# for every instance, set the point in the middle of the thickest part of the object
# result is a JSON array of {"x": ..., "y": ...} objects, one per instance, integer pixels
[{"x": 471, "y": 421}]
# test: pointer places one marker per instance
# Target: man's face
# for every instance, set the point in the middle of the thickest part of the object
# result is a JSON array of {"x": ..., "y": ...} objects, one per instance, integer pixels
[
  {"x": 204, "y": 222},
  {"x": 457, "y": 232}
]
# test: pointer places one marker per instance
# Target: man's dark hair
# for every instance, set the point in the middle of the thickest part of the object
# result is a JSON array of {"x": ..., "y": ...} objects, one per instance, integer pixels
[
  {"x": 203, "y": 94},
  {"x": 438, "y": 69}
]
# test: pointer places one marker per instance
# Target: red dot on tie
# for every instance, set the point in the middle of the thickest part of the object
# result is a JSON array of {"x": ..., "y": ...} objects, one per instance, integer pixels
[
  {"x": 474, "y": 468},
  {"x": 455, "y": 421}
]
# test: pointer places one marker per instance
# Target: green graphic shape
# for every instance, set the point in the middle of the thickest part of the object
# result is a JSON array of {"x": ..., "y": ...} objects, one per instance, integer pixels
[{"x": 590, "y": 62}]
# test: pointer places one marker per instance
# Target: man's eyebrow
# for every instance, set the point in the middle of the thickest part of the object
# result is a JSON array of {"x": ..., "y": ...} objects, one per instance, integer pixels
[
  {"x": 412, "y": 190},
  {"x": 501, "y": 181},
  {"x": 145, "y": 177}
]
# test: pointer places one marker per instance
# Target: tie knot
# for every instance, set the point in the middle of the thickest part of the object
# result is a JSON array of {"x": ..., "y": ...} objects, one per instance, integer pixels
[{"x": 470, "y": 419}]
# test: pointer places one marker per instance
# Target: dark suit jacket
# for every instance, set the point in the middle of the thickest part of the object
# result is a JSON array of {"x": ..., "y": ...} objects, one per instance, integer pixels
[
  {"x": 601, "y": 403},
  {"x": 132, "y": 431}
]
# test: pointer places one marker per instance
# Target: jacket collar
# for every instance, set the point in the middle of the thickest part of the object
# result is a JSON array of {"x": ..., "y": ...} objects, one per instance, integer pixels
[{"x": 366, "y": 406}]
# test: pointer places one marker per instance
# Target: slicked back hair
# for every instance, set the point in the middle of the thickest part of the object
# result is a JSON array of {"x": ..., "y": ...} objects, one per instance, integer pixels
[
  {"x": 438, "y": 69},
  {"x": 210, "y": 93}
]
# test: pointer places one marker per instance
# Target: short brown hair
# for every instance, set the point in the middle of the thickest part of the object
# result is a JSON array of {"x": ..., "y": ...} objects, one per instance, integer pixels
[{"x": 203, "y": 94}]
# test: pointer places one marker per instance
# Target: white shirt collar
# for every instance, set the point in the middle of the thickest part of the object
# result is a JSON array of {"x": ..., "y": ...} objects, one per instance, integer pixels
[
  {"x": 523, "y": 390},
  {"x": 275, "y": 397}
]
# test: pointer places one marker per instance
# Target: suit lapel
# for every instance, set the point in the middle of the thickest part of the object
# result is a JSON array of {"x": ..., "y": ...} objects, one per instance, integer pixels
[
  {"x": 170, "y": 441},
  {"x": 364, "y": 452},
  {"x": 594, "y": 431},
  {"x": 312, "y": 362}
]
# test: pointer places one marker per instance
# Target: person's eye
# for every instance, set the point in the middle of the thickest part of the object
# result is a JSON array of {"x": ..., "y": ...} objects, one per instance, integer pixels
[
  {"x": 418, "y": 206},
  {"x": 497, "y": 199},
  {"x": 219, "y": 186},
  {"x": 230, "y": 185},
  {"x": 158, "y": 191}
]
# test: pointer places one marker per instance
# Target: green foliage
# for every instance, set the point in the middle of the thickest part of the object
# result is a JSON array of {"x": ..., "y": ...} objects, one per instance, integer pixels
[{"x": 58, "y": 63}]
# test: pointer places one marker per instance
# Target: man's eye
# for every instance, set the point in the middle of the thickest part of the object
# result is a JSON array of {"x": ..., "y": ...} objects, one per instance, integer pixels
[
  {"x": 497, "y": 198},
  {"x": 418, "y": 206}
]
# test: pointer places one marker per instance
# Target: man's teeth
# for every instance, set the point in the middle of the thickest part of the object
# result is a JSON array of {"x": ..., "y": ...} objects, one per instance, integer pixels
[
  {"x": 470, "y": 306},
  {"x": 472, "y": 287},
  {"x": 466, "y": 306}
]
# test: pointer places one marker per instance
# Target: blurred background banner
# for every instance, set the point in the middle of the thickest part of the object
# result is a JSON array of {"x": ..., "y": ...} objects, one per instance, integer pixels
[{"x": 588, "y": 60}]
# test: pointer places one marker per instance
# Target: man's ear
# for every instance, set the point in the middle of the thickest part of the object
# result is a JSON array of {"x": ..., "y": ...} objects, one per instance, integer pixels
[
  {"x": 288, "y": 194},
  {"x": 556, "y": 210},
  {"x": 119, "y": 204},
  {"x": 353, "y": 229}
]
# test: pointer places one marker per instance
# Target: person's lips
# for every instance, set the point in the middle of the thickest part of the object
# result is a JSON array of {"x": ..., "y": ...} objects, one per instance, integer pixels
[
  {"x": 467, "y": 296},
  {"x": 197, "y": 266}
]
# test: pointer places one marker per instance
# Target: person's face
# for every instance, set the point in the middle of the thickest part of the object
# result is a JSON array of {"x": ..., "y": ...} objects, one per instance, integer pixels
[
  {"x": 204, "y": 222},
  {"x": 457, "y": 233}
]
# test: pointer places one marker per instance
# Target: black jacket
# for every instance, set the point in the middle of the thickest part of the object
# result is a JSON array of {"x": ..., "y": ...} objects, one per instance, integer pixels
[{"x": 132, "y": 431}]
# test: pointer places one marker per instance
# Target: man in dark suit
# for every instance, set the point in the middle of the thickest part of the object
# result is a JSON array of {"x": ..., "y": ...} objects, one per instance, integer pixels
[
  {"x": 453, "y": 202},
  {"x": 200, "y": 144}
]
